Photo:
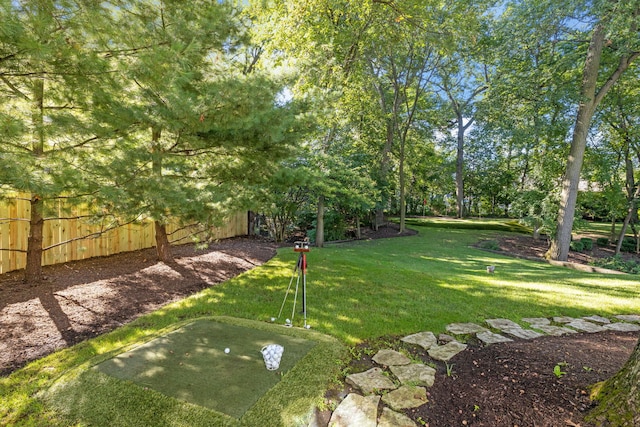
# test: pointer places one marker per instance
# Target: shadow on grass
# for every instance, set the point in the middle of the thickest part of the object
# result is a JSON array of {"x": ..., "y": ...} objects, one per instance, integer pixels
[{"x": 207, "y": 386}]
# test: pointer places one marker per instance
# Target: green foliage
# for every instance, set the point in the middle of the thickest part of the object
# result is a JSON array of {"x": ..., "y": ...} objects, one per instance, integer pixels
[
  {"x": 489, "y": 244},
  {"x": 628, "y": 244},
  {"x": 557, "y": 369},
  {"x": 335, "y": 227},
  {"x": 587, "y": 243},
  {"x": 577, "y": 246},
  {"x": 602, "y": 241},
  {"x": 618, "y": 263}
]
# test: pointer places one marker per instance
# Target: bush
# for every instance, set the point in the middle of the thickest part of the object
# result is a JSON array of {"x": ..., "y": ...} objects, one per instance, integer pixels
[
  {"x": 628, "y": 245},
  {"x": 602, "y": 241},
  {"x": 489, "y": 244},
  {"x": 587, "y": 243},
  {"x": 577, "y": 246},
  {"x": 619, "y": 264}
]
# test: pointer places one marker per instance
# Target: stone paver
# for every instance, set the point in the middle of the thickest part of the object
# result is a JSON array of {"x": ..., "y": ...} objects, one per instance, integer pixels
[
  {"x": 536, "y": 321},
  {"x": 423, "y": 339},
  {"x": 563, "y": 319},
  {"x": 492, "y": 338},
  {"x": 584, "y": 326},
  {"x": 525, "y": 334},
  {"x": 597, "y": 319},
  {"x": 447, "y": 351},
  {"x": 371, "y": 380},
  {"x": 622, "y": 327},
  {"x": 405, "y": 397},
  {"x": 554, "y": 330},
  {"x": 502, "y": 324},
  {"x": 390, "y": 357},
  {"x": 416, "y": 373},
  {"x": 414, "y": 377},
  {"x": 356, "y": 410},
  {"x": 390, "y": 418},
  {"x": 465, "y": 328},
  {"x": 629, "y": 317}
]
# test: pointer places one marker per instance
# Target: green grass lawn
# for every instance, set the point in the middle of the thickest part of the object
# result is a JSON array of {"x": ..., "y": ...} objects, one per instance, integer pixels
[{"x": 355, "y": 291}]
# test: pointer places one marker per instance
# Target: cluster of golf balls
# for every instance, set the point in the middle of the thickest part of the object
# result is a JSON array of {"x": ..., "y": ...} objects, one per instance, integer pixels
[{"x": 272, "y": 355}]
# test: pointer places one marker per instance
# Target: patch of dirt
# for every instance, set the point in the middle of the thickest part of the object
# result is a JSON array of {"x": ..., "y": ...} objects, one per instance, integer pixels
[
  {"x": 83, "y": 299},
  {"x": 500, "y": 385}
]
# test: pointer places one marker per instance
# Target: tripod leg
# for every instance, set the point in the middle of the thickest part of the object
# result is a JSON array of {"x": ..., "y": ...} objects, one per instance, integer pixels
[{"x": 287, "y": 293}]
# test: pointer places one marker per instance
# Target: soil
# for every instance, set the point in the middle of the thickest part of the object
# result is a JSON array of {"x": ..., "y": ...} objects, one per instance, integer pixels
[{"x": 509, "y": 384}]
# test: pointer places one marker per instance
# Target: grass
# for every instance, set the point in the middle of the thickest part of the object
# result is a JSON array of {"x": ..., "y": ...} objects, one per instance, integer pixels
[{"x": 355, "y": 291}]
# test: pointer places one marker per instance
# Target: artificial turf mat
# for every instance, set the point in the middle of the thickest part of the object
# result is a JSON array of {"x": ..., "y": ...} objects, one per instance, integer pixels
[{"x": 190, "y": 364}]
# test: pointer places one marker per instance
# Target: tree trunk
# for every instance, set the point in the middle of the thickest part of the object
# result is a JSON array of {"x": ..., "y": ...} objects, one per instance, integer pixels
[
  {"x": 33, "y": 269},
  {"x": 403, "y": 201},
  {"x": 619, "y": 397},
  {"x": 163, "y": 248},
  {"x": 460, "y": 169},
  {"x": 590, "y": 98},
  {"x": 560, "y": 243},
  {"x": 320, "y": 223}
]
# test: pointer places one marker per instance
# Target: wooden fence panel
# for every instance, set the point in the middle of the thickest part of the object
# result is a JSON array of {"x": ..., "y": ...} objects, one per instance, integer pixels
[{"x": 14, "y": 231}]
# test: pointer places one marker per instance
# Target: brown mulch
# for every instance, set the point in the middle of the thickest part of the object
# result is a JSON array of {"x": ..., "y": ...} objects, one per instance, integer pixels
[{"x": 509, "y": 384}]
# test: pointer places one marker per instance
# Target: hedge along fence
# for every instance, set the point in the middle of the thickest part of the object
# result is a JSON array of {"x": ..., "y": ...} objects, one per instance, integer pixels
[{"x": 14, "y": 232}]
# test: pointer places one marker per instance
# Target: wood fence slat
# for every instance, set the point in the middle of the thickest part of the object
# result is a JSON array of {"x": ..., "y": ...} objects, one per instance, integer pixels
[{"x": 131, "y": 237}]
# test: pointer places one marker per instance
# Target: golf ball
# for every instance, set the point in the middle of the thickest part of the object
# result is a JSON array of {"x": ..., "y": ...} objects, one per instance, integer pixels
[
  {"x": 226, "y": 350},
  {"x": 273, "y": 319},
  {"x": 287, "y": 321}
]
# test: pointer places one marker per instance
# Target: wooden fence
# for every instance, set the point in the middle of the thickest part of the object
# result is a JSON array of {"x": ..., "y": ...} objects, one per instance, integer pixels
[{"x": 14, "y": 231}]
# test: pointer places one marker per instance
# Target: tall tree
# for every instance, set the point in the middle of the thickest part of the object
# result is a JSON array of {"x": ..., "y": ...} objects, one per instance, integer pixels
[
  {"x": 47, "y": 76},
  {"x": 616, "y": 31},
  {"x": 196, "y": 124}
]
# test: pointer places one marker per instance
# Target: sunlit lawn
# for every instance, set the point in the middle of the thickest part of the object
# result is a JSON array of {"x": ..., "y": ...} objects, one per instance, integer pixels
[{"x": 361, "y": 290}]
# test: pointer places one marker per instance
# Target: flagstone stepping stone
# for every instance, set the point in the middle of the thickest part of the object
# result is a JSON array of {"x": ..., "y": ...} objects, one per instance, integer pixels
[
  {"x": 390, "y": 418},
  {"x": 622, "y": 327},
  {"x": 554, "y": 330},
  {"x": 356, "y": 410},
  {"x": 492, "y": 338},
  {"x": 629, "y": 317},
  {"x": 405, "y": 397},
  {"x": 445, "y": 338},
  {"x": 525, "y": 334},
  {"x": 502, "y": 324},
  {"x": 423, "y": 339},
  {"x": 447, "y": 351},
  {"x": 583, "y": 325},
  {"x": 416, "y": 374},
  {"x": 536, "y": 321},
  {"x": 563, "y": 319},
  {"x": 465, "y": 328},
  {"x": 371, "y": 380},
  {"x": 597, "y": 319},
  {"x": 387, "y": 357}
]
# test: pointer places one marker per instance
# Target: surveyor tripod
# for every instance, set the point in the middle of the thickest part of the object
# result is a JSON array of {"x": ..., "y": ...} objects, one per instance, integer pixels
[{"x": 299, "y": 272}]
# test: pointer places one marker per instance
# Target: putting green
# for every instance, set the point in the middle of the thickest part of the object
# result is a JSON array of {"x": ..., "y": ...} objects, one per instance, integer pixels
[{"x": 190, "y": 364}]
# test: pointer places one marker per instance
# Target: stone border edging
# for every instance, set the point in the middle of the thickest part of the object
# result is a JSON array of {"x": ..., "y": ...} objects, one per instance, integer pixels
[{"x": 414, "y": 378}]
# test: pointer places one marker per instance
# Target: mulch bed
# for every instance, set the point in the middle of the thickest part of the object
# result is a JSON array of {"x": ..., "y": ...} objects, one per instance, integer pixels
[{"x": 509, "y": 384}]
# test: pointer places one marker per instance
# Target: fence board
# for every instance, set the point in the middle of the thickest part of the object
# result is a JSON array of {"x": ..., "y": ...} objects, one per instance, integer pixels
[{"x": 14, "y": 231}]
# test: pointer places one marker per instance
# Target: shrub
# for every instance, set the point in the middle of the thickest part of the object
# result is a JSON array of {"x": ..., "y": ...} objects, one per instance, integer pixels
[
  {"x": 628, "y": 245},
  {"x": 602, "y": 241},
  {"x": 587, "y": 243},
  {"x": 489, "y": 244},
  {"x": 577, "y": 246},
  {"x": 619, "y": 264}
]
